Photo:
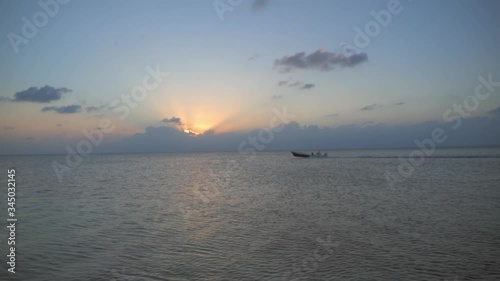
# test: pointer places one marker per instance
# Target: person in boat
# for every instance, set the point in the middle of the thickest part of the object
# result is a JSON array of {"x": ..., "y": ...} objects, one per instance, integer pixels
[{"x": 319, "y": 153}]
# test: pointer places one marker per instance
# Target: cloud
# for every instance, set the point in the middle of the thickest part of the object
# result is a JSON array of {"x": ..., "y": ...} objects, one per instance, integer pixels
[
  {"x": 258, "y": 5},
  {"x": 173, "y": 120},
  {"x": 298, "y": 84},
  {"x": 68, "y": 109},
  {"x": 332, "y": 115},
  {"x": 377, "y": 105},
  {"x": 474, "y": 131},
  {"x": 95, "y": 108},
  {"x": 9, "y": 128},
  {"x": 29, "y": 138},
  {"x": 44, "y": 94},
  {"x": 370, "y": 107},
  {"x": 277, "y": 97},
  {"x": 307, "y": 86},
  {"x": 59, "y": 125},
  {"x": 321, "y": 60},
  {"x": 256, "y": 56}
]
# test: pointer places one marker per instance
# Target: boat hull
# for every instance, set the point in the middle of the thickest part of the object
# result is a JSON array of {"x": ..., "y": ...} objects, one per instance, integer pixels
[
  {"x": 300, "y": 154},
  {"x": 306, "y": 155}
]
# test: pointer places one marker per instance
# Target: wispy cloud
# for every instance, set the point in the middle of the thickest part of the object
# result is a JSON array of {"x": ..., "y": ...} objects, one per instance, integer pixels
[
  {"x": 9, "y": 128},
  {"x": 68, "y": 109},
  {"x": 44, "y": 94},
  {"x": 256, "y": 56},
  {"x": 400, "y": 103},
  {"x": 173, "y": 120},
  {"x": 307, "y": 86},
  {"x": 298, "y": 84},
  {"x": 371, "y": 107},
  {"x": 93, "y": 108},
  {"x": 321, "y": 60},
  {"x": 277, "y": 97},
  {"x": 332, "y": 115}
]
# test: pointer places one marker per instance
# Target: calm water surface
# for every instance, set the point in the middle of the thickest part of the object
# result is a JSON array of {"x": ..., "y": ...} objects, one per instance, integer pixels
[{"x": 221, "y": 216}]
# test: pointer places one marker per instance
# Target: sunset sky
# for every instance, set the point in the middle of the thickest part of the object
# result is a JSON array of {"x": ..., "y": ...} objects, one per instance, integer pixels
[{"x": 229, "y": 69}]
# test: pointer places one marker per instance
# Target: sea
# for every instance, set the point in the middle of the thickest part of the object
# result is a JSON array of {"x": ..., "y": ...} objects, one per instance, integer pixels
[{"x": 356, "y": 215}]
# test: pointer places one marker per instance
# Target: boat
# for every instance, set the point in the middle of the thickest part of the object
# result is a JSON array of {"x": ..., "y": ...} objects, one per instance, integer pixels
[{"x": 309, "y": 155}]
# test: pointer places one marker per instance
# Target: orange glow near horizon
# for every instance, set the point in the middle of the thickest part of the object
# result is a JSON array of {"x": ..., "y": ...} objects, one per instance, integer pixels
[{"x": 203, "y": 113}]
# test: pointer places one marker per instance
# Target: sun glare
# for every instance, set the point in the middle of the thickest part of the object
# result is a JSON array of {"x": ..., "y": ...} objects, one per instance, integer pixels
[{"x": 191, "y": 132}]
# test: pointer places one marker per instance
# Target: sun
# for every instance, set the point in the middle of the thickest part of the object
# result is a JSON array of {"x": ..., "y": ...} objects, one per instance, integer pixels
[{"x": 191, "y": 132}]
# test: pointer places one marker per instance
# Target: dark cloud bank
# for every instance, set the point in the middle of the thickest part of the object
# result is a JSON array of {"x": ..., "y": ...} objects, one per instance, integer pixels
[
  {"x": 476, "y": 131},
  {"x": 473, "y": 131}
]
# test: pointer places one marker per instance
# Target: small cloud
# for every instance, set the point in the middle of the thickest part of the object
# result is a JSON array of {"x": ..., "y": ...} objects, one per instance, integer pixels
[
  {"x": 173, "y": 120},
  {"x": 9, "y": 128},
  {"x": 68, "y": 109},
  {"x": 368, "y": 123},
  {"x": 44, "y": 94},
  {"x": 95, "y": 108},
  {"x": 307, "y": 86},
  {"x": 59, "y": 125},
  {"x": 371, "y": 107},
  {"x": 400, "y": 103},
  {"x": 298, "y": 84},
  {"x": 256, "y": 56},
  {"x": 332, "y": 115},
  {"x": 258, "y": 5},
  {"x": 277, "y": 97},
  {"x": 321, "y": 60},
  {"x": 29, "y": 138}
]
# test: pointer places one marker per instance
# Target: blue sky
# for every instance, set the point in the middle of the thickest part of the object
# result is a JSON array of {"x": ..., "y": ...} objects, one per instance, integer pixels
[{"x": 223, "y": 74}]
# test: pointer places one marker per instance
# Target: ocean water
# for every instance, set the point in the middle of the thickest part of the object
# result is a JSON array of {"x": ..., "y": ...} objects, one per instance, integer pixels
[{"x": 227, "y": 216}]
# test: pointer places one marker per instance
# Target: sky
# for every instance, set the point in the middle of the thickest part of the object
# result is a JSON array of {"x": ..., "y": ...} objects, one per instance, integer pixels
[{"x": 154, "y": 76}]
